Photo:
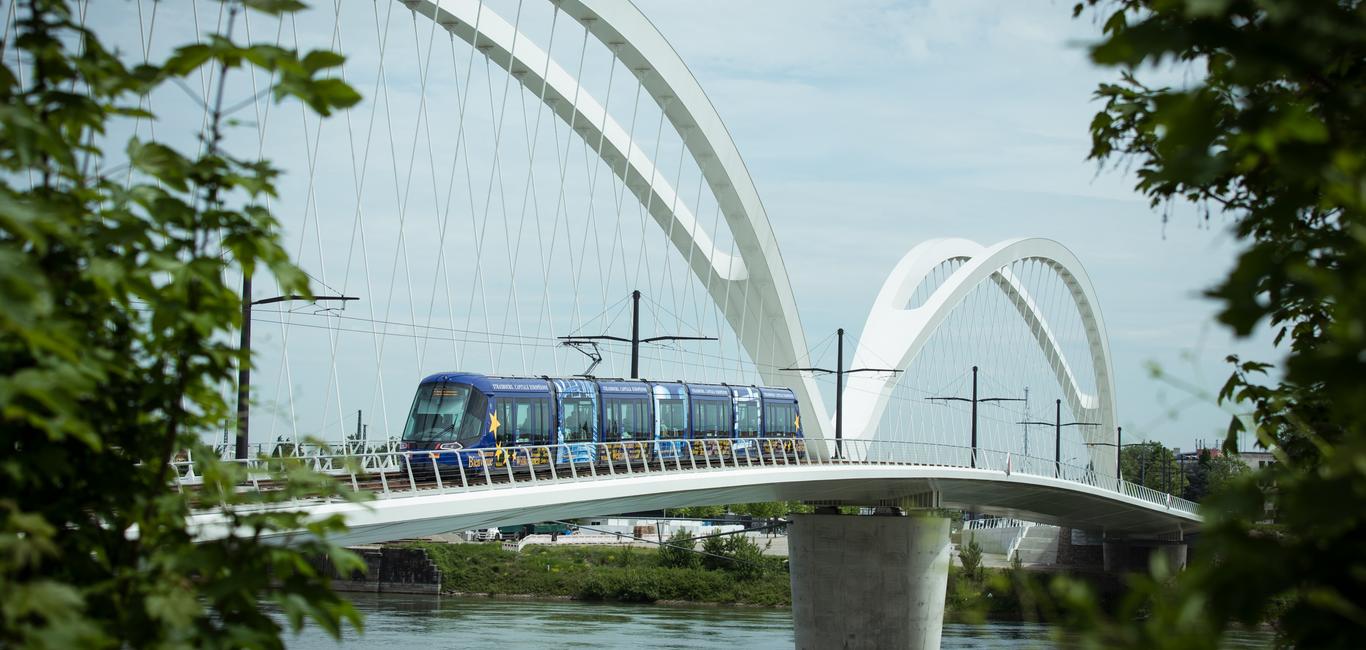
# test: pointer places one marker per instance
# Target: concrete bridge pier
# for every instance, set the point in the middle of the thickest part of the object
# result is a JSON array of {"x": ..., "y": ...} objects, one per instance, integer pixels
[{"x": 868, "y": 581}]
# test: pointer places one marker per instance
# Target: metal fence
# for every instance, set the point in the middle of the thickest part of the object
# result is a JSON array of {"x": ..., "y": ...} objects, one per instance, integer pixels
[
  {"x": 286, "y": 448},
  {"x": 991, "y": 523},
  {"x": 385, "y": 470}
]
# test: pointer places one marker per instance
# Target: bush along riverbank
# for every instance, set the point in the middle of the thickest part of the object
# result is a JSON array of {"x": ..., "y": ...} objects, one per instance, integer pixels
[
  {"x": 727, "y": 570},
  {"x": 617, "y": 574}
]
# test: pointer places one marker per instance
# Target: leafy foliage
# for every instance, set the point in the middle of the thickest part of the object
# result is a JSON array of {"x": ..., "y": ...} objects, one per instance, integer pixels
[
  {"x": 734, "y": 553},
  {"x": 765, "y": 510},
  {"x": 114, "y": 339},
  {"x": 1269, "y": 133},
  {"x": 597, "y": 573},
  {"x": 1212, "y": 473},
  {"x": 1152, "y": 465},
  {"x": 680, "y": 551},
  {"x": 970, "y": 556}
]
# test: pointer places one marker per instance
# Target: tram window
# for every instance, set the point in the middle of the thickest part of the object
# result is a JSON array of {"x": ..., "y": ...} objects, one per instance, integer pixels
[
  {"x": 747, "y": 418},
  {"x": 625, "y": 419},
  {"x": 576, "y": 419},
  {"x": 437, "y": 412},
  {"x": 780, "y": 419},
  {"x": 524, "y": 420},
  {"x": 673, "y": 418},
  {"x": 710, "y": 418}
]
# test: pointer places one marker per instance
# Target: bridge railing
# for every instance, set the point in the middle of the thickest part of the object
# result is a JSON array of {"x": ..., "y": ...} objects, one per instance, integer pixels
[
  {"x": 282, "y": 448},
  {"x": 388, "y": 471},
  {"x": 990, "y": 523},
  {"x": 368, "y": 456}
]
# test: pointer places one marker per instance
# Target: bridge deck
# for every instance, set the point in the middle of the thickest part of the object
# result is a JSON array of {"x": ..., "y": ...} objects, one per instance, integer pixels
[{"x": 417, "y": 495}]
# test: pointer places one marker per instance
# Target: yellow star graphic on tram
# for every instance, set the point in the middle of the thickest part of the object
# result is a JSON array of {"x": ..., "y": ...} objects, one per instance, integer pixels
[
  {"x": 494, "y": 423},
  {"x": 797, "y": 422}
]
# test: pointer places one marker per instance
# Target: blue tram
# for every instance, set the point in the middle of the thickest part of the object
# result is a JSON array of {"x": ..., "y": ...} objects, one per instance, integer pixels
[{"x": 477, "y": 420}]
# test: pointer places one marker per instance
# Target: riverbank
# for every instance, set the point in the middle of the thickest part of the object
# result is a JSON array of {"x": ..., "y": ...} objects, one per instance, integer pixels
[
  {"x": 614, "y": 574},
  {"x": 633, "y": 575}
]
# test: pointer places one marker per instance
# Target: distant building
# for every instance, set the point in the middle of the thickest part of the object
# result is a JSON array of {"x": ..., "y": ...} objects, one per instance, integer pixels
[
  {"x": 1256, "y": 459},
  {"x": 1253, "y": 459}
]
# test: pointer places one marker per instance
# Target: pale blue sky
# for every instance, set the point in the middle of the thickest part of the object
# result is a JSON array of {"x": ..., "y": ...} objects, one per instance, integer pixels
[{"x": 870, "y": 126}]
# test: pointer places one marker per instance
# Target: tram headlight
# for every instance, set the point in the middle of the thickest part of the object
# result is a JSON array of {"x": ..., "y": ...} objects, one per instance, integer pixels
[{"x": 450, "y": 446}]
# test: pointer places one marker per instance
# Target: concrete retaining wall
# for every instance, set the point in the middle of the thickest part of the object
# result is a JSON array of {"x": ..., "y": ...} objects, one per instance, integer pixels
[
  {"x": 387, "y": 570},
  {"x": 1080, "y": 549},
  {"x": 992, "y": 540}
]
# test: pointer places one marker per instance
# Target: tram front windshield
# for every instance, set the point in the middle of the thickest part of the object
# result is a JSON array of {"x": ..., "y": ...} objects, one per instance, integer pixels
[{"x": 446, "y": 412}]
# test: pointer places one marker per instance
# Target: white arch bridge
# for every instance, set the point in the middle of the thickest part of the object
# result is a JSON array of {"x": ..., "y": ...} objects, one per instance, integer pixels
[
  {"x": 517, "y": 168},
  {"x": 414, "y": 495}
]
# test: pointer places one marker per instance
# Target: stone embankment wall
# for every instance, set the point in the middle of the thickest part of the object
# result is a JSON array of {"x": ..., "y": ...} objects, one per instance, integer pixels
[
  {"x": 388, "y": 570},
  {"x": 1080, "y": 549}
]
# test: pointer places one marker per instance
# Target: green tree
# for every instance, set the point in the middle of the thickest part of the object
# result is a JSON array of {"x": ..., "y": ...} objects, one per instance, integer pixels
[
  {"x": 770, "y": 509},
  {"x": 970, "y": 555},
  {"x": 1266, "y": 132},
  {"x": 680, "y": 551},
  {"x": 716, "y": 553},
  {"x": 1211, "y": 473},
  {"x": 734, "y": 553},
  {"x": 698, "y": 512},
  {"x": 115, "y": 325},
  {"x": 1223, "y": 471},
  {"x": 1152, "y": 465}
]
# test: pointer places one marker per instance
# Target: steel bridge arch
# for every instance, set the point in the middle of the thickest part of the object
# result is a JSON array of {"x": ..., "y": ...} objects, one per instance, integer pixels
[
  {"x": 752, "y": 289},
  {"x": 897, "y": 333}
]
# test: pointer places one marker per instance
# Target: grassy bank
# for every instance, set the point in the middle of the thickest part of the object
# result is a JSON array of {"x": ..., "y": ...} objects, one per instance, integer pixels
[
  {"x": 604, "y": 574},
  {"x": 641, "y": 576}
]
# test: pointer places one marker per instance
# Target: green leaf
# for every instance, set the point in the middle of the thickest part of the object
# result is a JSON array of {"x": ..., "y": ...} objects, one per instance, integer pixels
[
  {"x": 160, "y": 162},
  {"x": 275, "y": 7},
  {"x": 321, "y": 60}
]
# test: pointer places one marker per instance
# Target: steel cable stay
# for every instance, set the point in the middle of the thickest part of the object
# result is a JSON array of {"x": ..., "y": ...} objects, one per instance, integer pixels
[
  {"x": 440, "y": 214},
  {"x": 593, "y": 165},
  {"x": 528, "y": 194},
  {"x": 458, "y": 162},
  {"x": 310, "y": 140},
  {"x": 477, "y": 232},
  {"x": 580, "y": 234}
]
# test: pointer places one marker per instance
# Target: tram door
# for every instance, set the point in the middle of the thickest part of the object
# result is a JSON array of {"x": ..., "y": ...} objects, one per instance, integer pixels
[
  {"x": 713, "y": 422},
  {"x": 627, "y": 427},
  {"x": 748, "y": 418},
  {"x": 577, "y": 433},
  {"x": 671, "y": 421}
]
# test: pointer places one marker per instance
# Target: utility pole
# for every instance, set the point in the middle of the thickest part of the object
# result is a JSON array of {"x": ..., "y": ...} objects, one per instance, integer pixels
[
  {"x": 972, "y": 461},
  {"x": 1166, "y": 472},
  {"x": 635, "y": 339},
  {"x": 1119, "y": 446},
  {"x": 635, "y": 334},
  {"x": 839, "y": 373},
  {"x": 1182, "y": 460},
  {"x": 1058, "y": 424},
  {"x": 244, "y": 350}
]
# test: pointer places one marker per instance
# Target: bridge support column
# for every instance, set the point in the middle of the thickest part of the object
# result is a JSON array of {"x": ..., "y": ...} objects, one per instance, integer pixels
[{"x": 868, "y": 581}]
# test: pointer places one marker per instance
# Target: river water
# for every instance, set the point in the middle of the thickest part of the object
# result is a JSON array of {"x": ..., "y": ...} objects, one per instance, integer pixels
[{"x": 397, "y": 621}]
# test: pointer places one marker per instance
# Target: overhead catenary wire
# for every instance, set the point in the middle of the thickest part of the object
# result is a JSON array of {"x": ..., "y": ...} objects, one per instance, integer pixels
[{"x": 470, "y": 301}]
